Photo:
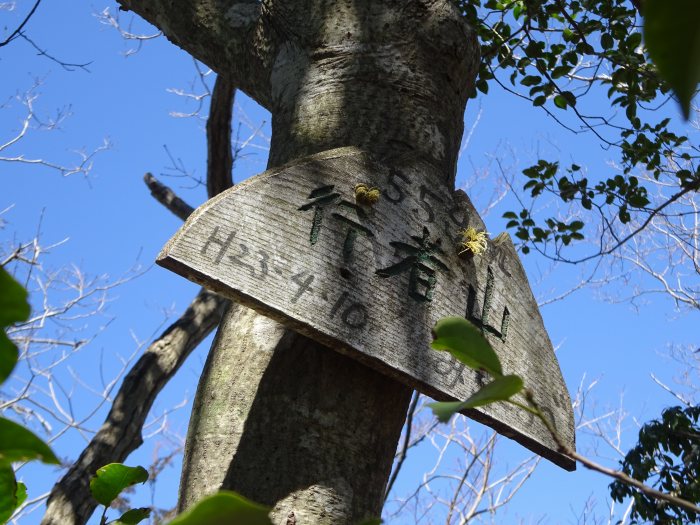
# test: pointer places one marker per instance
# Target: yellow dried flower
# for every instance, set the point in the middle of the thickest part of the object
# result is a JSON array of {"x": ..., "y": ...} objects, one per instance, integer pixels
[
  {"x": 365, "y": 194},
  {"x": 473, "y": 241}
]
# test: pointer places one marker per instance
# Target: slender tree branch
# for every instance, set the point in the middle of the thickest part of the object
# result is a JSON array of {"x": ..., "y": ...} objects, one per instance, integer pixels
[
  {"x": 167, "y": 197},
  {"x": 21, "y": 26},
  {"x": 220, "y": 156},
  {"x": 69, "y": 502},
  {"x": 42, "y": 52},
  {"x": 591, "y": 465},
  {"x": 405, "y": 447}
]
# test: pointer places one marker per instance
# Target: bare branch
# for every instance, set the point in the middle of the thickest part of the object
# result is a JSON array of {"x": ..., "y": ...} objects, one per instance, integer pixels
[
  {"x": 85, "y": 163},
  {"x": 167, "y": 197},
  {"x": 105, "y": 17},
  {"x": 43, "y": 52},
  {"x": 17, "y": 31},
  {"x": 121, "y": 432},
  {"x": 220, "y": 156}
]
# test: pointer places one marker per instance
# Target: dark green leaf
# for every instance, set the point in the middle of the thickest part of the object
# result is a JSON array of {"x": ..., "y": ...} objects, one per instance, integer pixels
[
  {"x": 531, "y": 80},
  {"x": 560, "y": 102},
  {"x": 466, "y": 343},
  {"x": 539, "y": 101},
  {"x": 8, "y": 356},
  {"x": 111, "y": 479},
  {"x": 21, "y": 493},
  {"x": 13, "y": 308},
  {"x": 19, "y": 444},
  {"x": 225, "y": 508},
  {"x": 672, "y": 36},
  {"x": 372, "y": 521},
  {"x": 8, "y": 493},
  {"x": 133, "y": 516},
  {"x": 13, "y": 300},
  {"x": 500, "y": 389}
]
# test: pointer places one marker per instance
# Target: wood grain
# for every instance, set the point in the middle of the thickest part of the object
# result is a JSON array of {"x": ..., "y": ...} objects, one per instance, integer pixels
[{"x": 370, "y": 281}]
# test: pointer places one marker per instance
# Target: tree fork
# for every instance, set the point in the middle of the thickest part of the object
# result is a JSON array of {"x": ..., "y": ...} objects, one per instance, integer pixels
[{"x": 278, "y": 417}]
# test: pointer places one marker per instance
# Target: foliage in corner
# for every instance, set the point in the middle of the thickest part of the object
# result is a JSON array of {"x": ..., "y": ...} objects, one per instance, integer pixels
[
  {"x": 672, "y": 37},
  {"x": 667, "y": 456},
  {"x": 224, "y": 508},
  {"x": 109, "y": 482},
  {"x": 14, "y": 308},
  {"x": 16, "y": 442},
  {"x": 557, "y": 54}
]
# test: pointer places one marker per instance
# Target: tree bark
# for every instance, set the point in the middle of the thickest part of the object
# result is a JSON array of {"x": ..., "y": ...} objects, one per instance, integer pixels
[{"x": 277, "y": 417}]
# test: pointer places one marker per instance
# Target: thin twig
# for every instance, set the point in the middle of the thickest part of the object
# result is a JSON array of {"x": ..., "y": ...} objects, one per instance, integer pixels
[
  {"x": 405, "y": 446},
  {"x": 591, "y": 465},
  {"x": 167, "y": 197},
  {"x": 21, "y": 26}
]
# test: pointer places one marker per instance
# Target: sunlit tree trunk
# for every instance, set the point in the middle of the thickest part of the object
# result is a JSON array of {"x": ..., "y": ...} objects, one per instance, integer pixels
[{"x": 277, "y": 417}]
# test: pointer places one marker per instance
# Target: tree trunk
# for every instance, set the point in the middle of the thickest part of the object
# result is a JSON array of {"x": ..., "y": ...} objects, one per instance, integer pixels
[{"x": 278, "y": 417}]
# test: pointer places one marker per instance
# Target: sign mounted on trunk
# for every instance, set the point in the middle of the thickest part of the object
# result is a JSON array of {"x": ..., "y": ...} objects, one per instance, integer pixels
[{"x": 365, "y": 258}]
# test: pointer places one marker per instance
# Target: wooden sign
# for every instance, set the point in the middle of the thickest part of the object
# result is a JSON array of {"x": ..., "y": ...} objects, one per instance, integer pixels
[{"x": 371, "y": 280}]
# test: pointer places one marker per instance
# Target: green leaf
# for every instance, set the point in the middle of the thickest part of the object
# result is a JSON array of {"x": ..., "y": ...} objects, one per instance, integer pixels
[
  {"x": 133, "y": 516},
  {"x": 445, "y": 410},
  {"x": 560, "y": 102},
  {"x": 224, "y": 508},
  {"x": 13, "y": 300},
  {"x": 19, "y": 444},
  {"x": 466, "y": 343},
  {"x": 672, "y": 37},
  {"x": 21, "y": 493},
  {"x": 111, "y": 479},
  {"x": 8, "y": 493},
  {"x": 13, "y": 308},
  {"x": 500, "y": 389},
  {"x": 8, "y": 356},
  {"x": 531, "y": 80},
  {"x": 539, "y": 101},
  {"x": 372, "y": 521}
]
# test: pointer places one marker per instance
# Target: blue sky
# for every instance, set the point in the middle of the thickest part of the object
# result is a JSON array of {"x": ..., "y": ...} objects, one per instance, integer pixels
[{"x": 113, "y": 225}]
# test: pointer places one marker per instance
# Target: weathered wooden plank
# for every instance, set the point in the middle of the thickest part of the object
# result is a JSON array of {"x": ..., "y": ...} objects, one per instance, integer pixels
[{"x": 372, "y": 280}]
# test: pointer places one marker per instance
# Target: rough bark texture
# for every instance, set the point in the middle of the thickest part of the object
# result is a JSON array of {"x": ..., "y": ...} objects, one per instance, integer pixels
[
  {"x": 279, "y": 418},
  {"x": 286, "y": 421},
  {"x": 219, "y": 154},
  {"x": 70, "y": 502},
  {"x": 390, "y": 77}
]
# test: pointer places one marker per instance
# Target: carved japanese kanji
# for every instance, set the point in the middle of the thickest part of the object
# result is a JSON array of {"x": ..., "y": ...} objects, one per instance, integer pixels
[{"x": 371, "y": 279}]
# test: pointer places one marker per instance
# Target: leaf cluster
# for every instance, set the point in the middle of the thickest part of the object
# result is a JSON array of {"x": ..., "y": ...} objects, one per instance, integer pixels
[
  {"x": 556, "y": 54},
  {"x": 666, "y": 456}
]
